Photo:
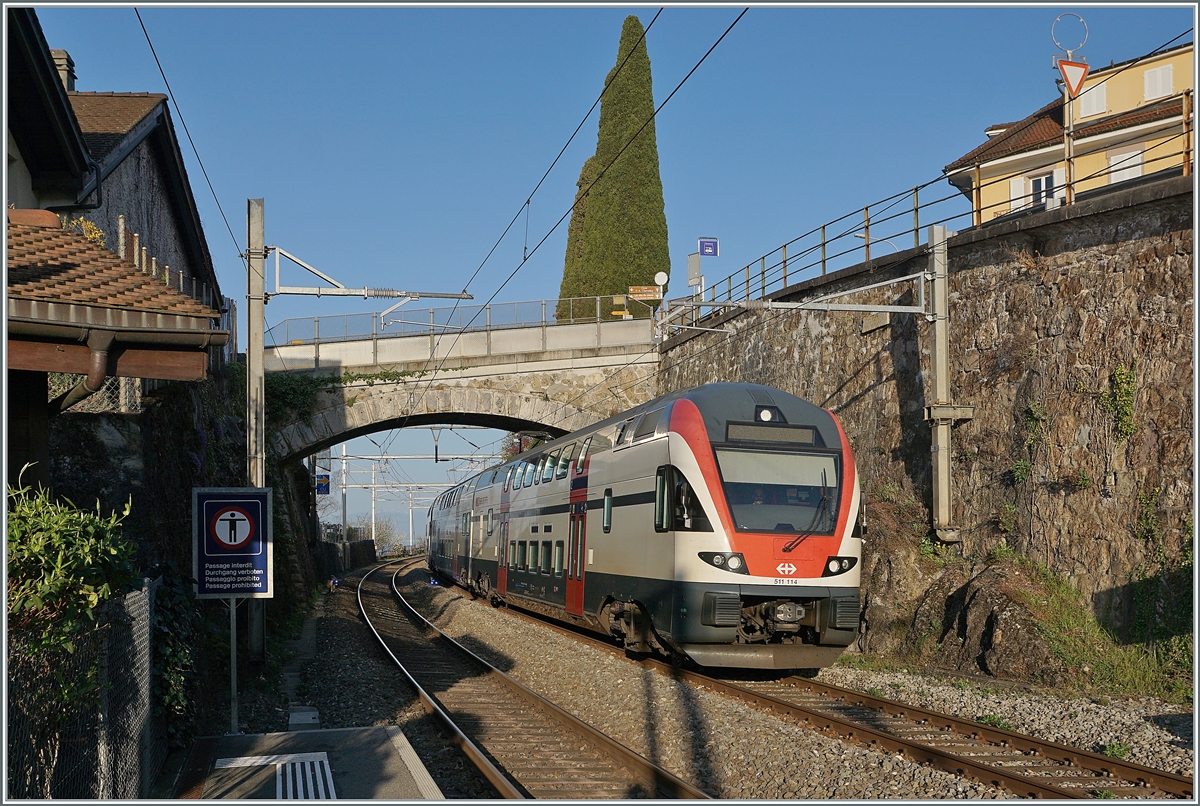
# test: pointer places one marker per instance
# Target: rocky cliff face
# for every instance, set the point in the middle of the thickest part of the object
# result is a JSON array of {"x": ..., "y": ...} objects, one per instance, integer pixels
[{"x": 1071, "y": 335}]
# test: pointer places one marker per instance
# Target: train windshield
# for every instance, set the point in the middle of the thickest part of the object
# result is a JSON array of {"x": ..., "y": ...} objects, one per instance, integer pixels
[{"x": 787, "y": 493}]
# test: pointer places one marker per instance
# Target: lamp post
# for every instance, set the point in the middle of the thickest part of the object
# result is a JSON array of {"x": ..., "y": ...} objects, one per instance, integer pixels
[{"x": 876, "y": 240}]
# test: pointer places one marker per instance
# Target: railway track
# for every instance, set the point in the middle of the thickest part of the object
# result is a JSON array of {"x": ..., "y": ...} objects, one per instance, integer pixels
[
  {"x": 524, "y": 745},
  {"x": 1023, "y": 765}
]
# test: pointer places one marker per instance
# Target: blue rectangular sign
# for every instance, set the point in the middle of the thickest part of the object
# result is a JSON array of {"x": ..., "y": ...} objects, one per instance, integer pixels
[
  {"x": 232, "y": 548},
  {"x": 322, "y": 484},
  {"x": 709, "y": 247}
]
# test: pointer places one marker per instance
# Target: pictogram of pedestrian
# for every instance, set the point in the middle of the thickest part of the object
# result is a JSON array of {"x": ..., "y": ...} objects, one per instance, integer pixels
[{"x": 231, "y": 527}]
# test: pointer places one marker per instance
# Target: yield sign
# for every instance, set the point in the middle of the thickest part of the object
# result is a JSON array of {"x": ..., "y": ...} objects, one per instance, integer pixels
[{"x": 1073, "y": 74}]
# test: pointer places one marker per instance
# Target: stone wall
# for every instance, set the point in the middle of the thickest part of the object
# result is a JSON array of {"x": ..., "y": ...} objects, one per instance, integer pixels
[{"x": 1046, "y": 314}]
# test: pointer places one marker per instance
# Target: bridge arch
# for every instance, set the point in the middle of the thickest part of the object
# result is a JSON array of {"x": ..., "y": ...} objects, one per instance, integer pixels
[{"x": 353, "y": 410}]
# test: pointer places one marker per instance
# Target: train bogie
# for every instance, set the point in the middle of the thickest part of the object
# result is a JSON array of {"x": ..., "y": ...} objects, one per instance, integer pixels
[{"x": 719, "y": 523}]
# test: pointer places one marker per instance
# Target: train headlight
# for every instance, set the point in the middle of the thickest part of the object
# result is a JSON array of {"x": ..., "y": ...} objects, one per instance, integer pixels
[
  {"x": 725, "y": 560},
  {"x": 838, "y": 565},
  {"x": 769, "y": 414}
]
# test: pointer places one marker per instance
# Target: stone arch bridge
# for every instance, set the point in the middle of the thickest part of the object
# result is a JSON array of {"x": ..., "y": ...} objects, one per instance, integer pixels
[{"x": 521, "y": 376}]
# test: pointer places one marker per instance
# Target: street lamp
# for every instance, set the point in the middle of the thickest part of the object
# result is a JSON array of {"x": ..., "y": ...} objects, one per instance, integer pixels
[{"x": 876, "y": 240}]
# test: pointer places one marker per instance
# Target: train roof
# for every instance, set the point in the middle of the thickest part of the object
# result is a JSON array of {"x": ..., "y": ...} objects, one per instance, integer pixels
[{"x": 718, "y": 403}]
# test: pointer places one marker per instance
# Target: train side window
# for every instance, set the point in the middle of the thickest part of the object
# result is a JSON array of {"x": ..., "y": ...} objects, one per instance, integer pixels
[
  {"x": 522, "y": 548},
  {"x": 545, "y": 564},
  {"x": 491, "y": 522},
  {"x": 520, "y": 474},
  {"x": 625, "y": 432},
  {"x": 551, "y": 463},
  {"x": 530, "y": 469},
  {"x": 647, "y": 425},
  {"x": 558, "y": 558},
  {"x": 662, "y": 504},
  {"x": 564, "y": 461},
  {"x": 582, "y": 455},
  {"x": 508, "y": 477},
  {"x": 687, "y": 513},
  {"x": 537, "y": 471},
  {"x": 608, "y": 504},
  {"x": 512, "y": 548}
]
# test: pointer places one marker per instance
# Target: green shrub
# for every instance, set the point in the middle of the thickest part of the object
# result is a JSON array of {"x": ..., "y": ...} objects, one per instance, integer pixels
[{"x": 63, "y": 563}]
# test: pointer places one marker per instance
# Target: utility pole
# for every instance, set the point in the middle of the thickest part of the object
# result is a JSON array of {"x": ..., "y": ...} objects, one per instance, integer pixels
[
  {"x": 343, "y": 491},
  {"x": 256, "y": 435}
]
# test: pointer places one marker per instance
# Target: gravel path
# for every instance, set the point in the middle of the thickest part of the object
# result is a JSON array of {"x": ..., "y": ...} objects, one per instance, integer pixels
[{"x": 701, "y": 736}]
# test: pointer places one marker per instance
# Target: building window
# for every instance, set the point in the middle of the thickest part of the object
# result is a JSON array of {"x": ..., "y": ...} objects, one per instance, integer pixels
[
  {"x": 1041, "y": 188},
  {"x": 1092, "y": 101},
  {"x": 1157, "y": 82},
  {"x": 1124, "y": 163}
]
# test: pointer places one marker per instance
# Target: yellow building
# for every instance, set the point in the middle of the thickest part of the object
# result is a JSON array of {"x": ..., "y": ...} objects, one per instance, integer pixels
[{"x": 1130, "y": 121}]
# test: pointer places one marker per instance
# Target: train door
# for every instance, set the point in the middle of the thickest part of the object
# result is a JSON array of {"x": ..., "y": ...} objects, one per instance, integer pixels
[
  {"x": 473, "y": 527},
  {"x": 576, "y": 552},
  {"x": 502, "y": 564}
]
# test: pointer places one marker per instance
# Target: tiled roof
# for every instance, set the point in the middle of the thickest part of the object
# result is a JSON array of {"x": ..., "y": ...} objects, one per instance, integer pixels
[
  {"x": 1040, "y": 128},
  {"x": 51, "y": 264},
  {"x": 1045, "y": 127},
  {"x": 105, "y": 118}
]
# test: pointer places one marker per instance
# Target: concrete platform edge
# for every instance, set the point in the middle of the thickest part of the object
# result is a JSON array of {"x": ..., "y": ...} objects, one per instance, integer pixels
[{"x": 424, "y": 781}]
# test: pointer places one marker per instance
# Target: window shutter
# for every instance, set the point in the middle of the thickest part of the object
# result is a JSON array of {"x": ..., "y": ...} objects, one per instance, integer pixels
[
  {"x": 1016, "y": 193},
  {"x": 1060, "y": 183},
  {"x": 1092, "y": 101},
  {"x": 1157, "y": 83}
]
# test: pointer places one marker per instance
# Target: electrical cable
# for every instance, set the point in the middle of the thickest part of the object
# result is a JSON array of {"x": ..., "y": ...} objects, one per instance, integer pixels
[
  {"x": 187, "y": 132},
  {"x": 600, "y": 176}
]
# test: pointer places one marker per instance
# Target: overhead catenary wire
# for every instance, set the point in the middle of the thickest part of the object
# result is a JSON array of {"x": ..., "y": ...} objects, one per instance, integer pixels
[
  {"x": 186, "y": 131},
  {"x": 525, "y": 207},
  {"x": 768, "y": 318},
  {"x": 598, "y": 177}
]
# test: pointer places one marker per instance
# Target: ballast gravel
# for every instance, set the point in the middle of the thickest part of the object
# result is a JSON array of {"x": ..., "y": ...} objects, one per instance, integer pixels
[{"x": 705, "y": 738}]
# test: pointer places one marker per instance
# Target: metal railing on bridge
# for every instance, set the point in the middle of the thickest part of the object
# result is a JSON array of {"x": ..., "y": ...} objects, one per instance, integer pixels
[{"x": 451, "y": 320}]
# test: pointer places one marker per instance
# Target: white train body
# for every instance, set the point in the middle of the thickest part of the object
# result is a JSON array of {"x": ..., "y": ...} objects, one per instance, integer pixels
[{"x": 720, "y": 523}]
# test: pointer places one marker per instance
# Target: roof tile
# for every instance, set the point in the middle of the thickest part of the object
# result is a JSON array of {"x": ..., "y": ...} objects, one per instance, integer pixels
[
  {"x": 1045, "y": 127},
  {"x": 52, "y": 264},
  {"x": 105, "y": 118}
]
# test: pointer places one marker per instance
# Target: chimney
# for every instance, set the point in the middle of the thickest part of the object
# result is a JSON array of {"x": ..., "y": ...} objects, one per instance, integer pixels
[{"x": 66, "y": 68}]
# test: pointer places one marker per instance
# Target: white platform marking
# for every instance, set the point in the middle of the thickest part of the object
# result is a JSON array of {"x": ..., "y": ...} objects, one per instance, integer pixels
[{"x": 298, "y": 776}]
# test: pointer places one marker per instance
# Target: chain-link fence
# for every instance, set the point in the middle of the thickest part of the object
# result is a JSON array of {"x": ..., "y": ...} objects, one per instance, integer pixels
[
  {"x": 111, "y": 748},
  {"x": 117, "y": 394}
]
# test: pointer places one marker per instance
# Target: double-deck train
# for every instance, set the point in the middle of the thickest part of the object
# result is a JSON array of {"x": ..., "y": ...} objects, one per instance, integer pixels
[{"x": 721, "y": 523}]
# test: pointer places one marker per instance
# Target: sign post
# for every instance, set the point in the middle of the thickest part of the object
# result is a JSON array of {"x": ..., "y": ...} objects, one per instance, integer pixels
[{"x": 232, "y": 556}]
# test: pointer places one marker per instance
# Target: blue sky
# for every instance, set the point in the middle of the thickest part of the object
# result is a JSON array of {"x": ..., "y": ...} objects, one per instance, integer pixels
[{"x": 393, "y": 145}]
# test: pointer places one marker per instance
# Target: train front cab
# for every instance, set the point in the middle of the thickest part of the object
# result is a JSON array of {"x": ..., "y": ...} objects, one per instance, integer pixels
[{"x": 767, "y": 583}]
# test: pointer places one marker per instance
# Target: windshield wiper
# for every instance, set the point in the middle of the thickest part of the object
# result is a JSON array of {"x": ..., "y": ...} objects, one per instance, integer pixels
[{"x": 822, "y": 509}]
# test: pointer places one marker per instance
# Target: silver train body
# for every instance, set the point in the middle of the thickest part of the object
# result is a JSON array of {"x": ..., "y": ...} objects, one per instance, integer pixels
[{"x": 721, "y": 523}]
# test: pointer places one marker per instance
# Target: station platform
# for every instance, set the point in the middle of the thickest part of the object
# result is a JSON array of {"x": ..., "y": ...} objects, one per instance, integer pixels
[{"x": 374, "y": 763}]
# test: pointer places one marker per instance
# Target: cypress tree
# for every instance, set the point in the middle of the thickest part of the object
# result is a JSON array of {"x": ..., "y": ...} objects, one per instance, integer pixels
[{"x": 618, "y": 231}]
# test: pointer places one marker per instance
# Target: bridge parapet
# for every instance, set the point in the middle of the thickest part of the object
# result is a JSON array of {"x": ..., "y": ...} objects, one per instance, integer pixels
[
  {"x": 449, "y": 319},
  {"x": 554, "y": 378}
]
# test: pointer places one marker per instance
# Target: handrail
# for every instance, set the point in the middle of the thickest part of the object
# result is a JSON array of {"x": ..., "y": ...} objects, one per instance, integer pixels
[{"x": 452, "y": 319}]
